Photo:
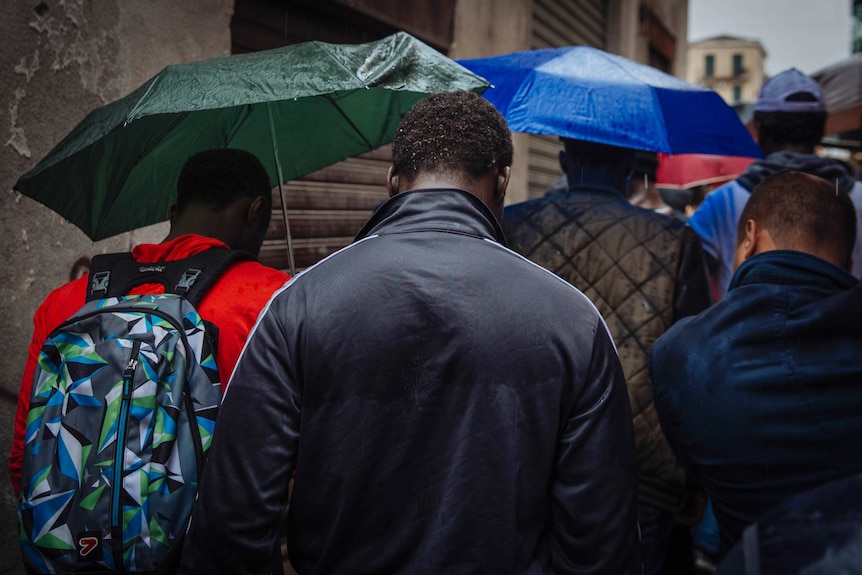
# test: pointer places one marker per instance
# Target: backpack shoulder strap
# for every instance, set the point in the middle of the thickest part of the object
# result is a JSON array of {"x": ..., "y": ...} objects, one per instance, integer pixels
[
  {"x": 203, "y": 269},
  {"x": 114, "y": 275}
]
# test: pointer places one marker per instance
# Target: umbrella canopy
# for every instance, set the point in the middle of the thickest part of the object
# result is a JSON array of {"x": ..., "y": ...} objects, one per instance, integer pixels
[
  {"x": 584, "y": 93},
  {"x": 298, "y": 108},
  {"x": 841, "y": 83},
  {"x": 689, "y": 170}
]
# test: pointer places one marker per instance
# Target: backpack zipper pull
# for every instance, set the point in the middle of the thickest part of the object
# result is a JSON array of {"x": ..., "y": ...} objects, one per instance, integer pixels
[{"x": 129, "y": 373}]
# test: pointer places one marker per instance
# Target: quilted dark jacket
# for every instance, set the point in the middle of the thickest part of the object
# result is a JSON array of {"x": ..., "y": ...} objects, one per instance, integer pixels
[
  {"x": 643, "y": 271},
  {"x": 449, "y": 406}
]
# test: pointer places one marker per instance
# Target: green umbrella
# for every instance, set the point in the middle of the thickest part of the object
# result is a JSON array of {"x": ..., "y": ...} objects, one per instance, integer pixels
[{"x": 298, "y": 108}]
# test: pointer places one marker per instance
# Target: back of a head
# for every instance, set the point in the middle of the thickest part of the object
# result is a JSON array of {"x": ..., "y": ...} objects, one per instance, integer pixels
[
  {"x": 454, "y": 132},
  {"x": 598, "y": 155},
  {"x": 804, "y": 213},
  {"x": 218, "y": 178},
  {"x": 598, "y": 160},
  {"x": 790, "y": 111}
]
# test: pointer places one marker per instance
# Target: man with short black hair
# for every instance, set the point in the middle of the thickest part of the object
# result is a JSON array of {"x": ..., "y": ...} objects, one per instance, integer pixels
[
  {"x": 450, "y": 407},
  {"x": 759, "y": 395},
  {"x": 789, "y": 117},
  {"x": 224, "y": 200}
]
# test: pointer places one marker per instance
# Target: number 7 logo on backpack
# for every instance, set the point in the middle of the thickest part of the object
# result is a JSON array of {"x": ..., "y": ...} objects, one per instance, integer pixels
[{"x": 87, "y": 543}]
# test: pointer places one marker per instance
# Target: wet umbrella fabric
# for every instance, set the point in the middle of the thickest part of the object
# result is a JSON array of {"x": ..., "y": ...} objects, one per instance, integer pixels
[
  {"x": 313, "y": 103},
  {"x": 689, "y": 170},
  {"x": 584, "y": 93}
]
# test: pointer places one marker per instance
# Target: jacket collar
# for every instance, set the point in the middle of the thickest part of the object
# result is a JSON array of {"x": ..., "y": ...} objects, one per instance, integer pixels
[
  {"x": 444, "y": 210},
  {"x": 593, "y": 191},
  {"x": 787, "y": 267}
]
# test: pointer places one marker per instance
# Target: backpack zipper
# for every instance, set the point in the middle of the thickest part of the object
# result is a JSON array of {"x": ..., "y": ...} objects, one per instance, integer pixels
[
  {"x": 189, "y": 403},
  {"x": 122, "y": 432}
]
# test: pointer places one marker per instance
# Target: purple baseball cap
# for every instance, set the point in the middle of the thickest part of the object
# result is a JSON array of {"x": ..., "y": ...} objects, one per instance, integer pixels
[{"x": 790, "y": 91}]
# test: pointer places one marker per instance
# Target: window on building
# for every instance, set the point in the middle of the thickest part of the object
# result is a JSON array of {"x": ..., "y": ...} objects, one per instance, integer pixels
[
  {"x": 710, "y": 65},
  {"x": 737, "y": 64},
  {"x": 737, "y": 94}
]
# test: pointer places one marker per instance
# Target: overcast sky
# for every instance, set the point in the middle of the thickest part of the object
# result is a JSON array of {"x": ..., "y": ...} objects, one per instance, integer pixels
[{"x": 807, "y": 34}]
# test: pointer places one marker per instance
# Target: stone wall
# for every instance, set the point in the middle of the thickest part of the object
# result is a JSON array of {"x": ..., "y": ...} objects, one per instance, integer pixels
[{"x": 60, "y": 60}]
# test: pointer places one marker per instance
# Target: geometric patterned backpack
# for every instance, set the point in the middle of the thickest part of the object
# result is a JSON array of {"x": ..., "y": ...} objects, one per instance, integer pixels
[{"x": 121, "y": 416}]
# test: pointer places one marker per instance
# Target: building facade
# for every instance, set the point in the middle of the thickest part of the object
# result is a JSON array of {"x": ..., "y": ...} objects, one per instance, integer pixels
[
  {"x": 63, "y": 58},
  {"x": 733, "y": 67},
  {"x": 857, "y": 26}
]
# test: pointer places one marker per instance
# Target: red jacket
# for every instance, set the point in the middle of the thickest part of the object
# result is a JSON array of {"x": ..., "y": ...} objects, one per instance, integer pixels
[{"x": 233, "y": 304}]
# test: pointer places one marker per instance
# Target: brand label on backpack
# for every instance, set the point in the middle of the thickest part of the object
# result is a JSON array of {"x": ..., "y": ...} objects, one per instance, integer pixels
[{"x": 88, "y": 542}]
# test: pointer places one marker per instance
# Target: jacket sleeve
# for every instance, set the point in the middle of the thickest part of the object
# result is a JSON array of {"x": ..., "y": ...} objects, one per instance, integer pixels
[
  {"x": 16, "y": 454},
  {"x": 594, "y": 494},
  {"x": 244, "y": 488},
  {"x": 692, "y": 293}
]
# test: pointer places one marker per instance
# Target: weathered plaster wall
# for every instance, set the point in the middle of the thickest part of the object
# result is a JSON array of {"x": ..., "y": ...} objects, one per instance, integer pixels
[
  {"x": 486, "y": 28},
  {"x": 60, "y": 59}
]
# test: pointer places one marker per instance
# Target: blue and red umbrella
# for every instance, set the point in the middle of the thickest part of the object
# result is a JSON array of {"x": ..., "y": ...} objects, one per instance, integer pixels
[{"x": 583, "y": 93}]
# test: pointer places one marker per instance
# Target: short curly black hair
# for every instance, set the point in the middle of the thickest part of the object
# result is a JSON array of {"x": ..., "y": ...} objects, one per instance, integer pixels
[
  {"x": 220, "y": 177},
  {"x": 452, "y": 131}
]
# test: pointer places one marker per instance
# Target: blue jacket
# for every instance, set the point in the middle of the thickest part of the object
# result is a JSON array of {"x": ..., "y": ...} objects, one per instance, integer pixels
[{"x": 760, "y": 395}]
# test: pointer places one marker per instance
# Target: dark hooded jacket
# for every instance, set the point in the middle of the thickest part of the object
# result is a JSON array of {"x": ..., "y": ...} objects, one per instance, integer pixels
[
  {"x": 449, "y": 406},
  {"x": 829, "y": 169},
  {"x": 760, "y": 395}
]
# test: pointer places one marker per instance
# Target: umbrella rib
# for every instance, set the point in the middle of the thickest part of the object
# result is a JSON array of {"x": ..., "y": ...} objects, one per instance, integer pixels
[
  {"x": 130, "y": 116},
  {"x": 234, "y": 130},
  {"x": 349, "y": 121},
  {"x": 325, "y": 47}
]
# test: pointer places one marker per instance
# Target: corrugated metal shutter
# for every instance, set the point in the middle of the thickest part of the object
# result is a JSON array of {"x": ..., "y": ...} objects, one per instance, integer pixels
[
  {"x": 561, "y": 23},
  {"x": 569, "y": 22},
  {"x": 325, "y": 209}
]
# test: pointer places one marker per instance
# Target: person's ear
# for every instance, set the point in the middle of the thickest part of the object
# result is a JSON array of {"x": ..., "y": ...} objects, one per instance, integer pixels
[
  {"x": 256, "y": 211},
  {"x": 747, "y": 247},
  {"x": 392, "y": 181},
  {"x": 502, "y": 184}
]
